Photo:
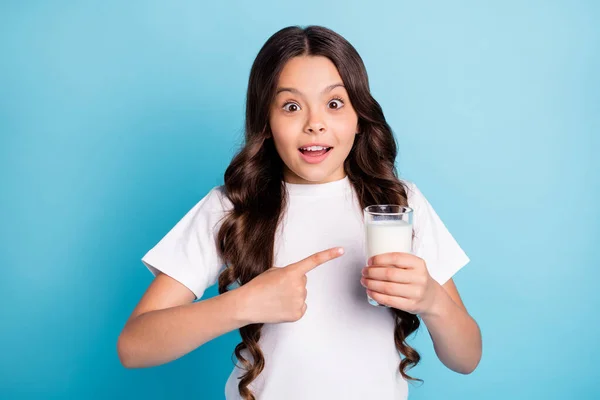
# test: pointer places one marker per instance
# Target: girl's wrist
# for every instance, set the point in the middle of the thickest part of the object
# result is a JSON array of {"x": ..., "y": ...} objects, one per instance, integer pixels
[
  {"x": 242, "y": 311},
  {"x": 439, "y": 304}
]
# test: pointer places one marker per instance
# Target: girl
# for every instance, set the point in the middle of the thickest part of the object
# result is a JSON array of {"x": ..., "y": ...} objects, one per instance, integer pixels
[{"x": 317, "y": 151}]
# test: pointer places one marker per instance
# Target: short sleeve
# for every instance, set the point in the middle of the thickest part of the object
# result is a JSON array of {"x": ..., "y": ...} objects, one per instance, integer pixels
[
  {"x": 188, "y": 252},
  {"x": 432, "y": 241}
]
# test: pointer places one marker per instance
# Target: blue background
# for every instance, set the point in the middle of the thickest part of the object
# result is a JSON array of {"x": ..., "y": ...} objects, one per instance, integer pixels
[{"x": 117, "y": 117}]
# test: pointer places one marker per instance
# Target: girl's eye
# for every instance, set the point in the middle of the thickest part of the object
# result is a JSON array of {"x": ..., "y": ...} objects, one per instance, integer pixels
[
  {"x": 339, "y": 102},
  {"x": 293, "y": 107}
]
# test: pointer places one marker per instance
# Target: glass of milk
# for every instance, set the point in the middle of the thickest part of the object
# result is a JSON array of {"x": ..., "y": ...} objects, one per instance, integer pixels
[{"x": 388, "y": 229}]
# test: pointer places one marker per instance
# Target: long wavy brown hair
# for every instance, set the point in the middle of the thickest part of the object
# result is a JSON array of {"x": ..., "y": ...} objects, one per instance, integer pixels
[{"x": 254, "y": 179}]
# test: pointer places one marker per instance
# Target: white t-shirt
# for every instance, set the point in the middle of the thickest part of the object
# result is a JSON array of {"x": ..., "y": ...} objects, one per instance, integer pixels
[{"x": 343, "y": 347}]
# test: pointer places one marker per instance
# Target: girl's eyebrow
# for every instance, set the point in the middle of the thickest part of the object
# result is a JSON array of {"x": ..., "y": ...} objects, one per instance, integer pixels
[{"x": 296, "y": 91}]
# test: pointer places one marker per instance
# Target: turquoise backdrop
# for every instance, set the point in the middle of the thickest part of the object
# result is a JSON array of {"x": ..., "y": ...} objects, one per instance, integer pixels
[{"x": 116, "y": 117}]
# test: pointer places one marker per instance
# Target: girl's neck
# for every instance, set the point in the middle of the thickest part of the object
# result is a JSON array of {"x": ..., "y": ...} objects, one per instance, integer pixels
[
  {"x": 291, "y": 177},
  {"x": 339, "y": 186}
]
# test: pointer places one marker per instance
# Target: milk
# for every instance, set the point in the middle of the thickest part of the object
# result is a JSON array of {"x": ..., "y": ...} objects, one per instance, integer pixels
[{"x": 388, "y": 236}]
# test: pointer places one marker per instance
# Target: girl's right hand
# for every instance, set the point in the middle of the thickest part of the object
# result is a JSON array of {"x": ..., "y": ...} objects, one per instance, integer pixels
[{"x": 279, "y": 293}]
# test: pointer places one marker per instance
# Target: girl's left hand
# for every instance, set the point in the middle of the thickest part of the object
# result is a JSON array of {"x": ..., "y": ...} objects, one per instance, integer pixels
[{"x": 400, "y": 280}]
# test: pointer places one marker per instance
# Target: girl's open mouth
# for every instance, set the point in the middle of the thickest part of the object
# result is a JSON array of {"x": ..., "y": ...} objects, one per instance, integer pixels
[{"x": 314, "y": 154}]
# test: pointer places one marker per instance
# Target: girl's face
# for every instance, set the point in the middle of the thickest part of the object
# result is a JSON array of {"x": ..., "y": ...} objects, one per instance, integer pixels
[{"x": 312, "y": 121}]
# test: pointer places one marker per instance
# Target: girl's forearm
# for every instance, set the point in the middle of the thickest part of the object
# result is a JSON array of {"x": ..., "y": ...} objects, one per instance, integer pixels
[
  {"x": 456, "y": 336},
  {"x": 161, "y": 336}
]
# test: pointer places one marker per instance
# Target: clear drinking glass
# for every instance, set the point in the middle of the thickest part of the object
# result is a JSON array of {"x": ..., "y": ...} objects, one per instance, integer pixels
[{"x": 388, "y": 229}]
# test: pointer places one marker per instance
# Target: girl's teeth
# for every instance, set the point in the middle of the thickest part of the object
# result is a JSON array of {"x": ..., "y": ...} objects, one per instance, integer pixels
[{"x": 314, "y": 148}]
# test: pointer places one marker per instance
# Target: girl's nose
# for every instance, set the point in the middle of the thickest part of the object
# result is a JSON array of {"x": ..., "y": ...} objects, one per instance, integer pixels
[{"x": 315, "y": 128}]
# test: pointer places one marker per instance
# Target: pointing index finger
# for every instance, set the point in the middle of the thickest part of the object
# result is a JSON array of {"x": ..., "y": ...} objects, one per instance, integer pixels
[{"x": 311, "y": 262}]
